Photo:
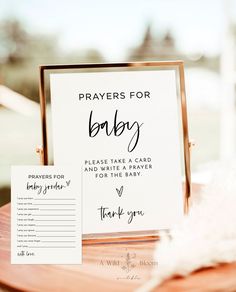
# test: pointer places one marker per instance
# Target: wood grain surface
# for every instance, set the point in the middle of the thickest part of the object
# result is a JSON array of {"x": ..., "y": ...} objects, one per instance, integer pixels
[{"x": 105, "y": 268}]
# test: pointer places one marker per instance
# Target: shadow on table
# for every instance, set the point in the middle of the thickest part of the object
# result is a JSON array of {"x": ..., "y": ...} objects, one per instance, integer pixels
[{"x": 5, "y": 196}]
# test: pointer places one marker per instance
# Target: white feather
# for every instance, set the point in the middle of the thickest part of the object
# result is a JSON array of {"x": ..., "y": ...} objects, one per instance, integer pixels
[{"x": 206, "y": 237}]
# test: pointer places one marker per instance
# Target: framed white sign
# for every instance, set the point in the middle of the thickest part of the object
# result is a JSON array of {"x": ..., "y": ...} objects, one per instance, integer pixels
[{"x": 125, "y": 126}]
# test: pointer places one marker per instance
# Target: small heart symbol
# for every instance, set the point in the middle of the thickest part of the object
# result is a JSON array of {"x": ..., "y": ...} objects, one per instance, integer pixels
[{"x": 120, "y": 191}]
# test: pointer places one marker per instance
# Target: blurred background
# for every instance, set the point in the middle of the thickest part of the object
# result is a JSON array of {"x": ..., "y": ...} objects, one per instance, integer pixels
[{"x": 202, "y": 33}]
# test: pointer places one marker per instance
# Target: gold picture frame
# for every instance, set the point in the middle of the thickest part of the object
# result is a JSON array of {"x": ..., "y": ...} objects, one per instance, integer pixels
[{"x": 43, "y": 150}]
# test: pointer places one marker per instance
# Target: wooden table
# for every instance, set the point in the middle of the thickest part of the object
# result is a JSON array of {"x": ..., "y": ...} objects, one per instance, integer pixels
[{"x": 105, "y": 268}]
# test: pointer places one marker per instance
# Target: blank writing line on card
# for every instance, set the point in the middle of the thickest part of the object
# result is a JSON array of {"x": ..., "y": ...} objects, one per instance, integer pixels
[
  {"x": 54, "y": 230},
  {"x": 54, "y": 220},
  {"x": 55, "y": 225},
  {"x": 54, "y": 204},
  {"x": 54, "y": 199},
  {"x": 56, "y": 236},
  {"x": 58, "y": 241},
  {"x": 52, "y": 246},
  {"x": 57, "y": 209},
  {"x": 53, "y": 215}
]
